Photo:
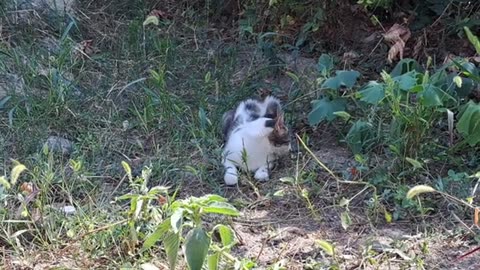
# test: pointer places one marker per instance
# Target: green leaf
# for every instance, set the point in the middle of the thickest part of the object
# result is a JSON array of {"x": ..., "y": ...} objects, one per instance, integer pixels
[
  {"x": 4, "y": 182},
  {"x": 287, "y": 180},
  {"x": 227, "y": 235},
  {"x": 415, "y": 163},
  {"x": 343, "y": 202},
  {"x": 360, "y": 136},
  {"x": 211, "y": 198},
  {"x": 405, "y": 65},
  {"x": 279, "y": 193},
  {"x": 458, "y": 81},
  {"x": 127, "y": 169},
  {"x": 325, "y": 246},
  {"x": 345, "y": 219},
  {"x": 177, "y": 219},
  {"x": 345, "y": 78},
  {"x": 419, "y": 190},
  {"x": 157, "y": 235},
  {"x": 213, "y": 260},
  {"x": 473, "y": 39},
  {"x": 197, "y": 244},
  {"x": 171, "y": 245},
  {"x": 325, "y": 64},
  {"x": 406, "y": 81},
  {"x": 469, "y": 123},
  {"x": 388, "y": 217},
  {"x": 344, "y": 115},
  {"x": 323, "y": 110},
  {"x": 16, "y": 171},
  {"x": 431, "y": 96},
  {"x": 151, "y": 20},
  {"x": 372, "y": 93},
  {"x": 222, "y": 208}
]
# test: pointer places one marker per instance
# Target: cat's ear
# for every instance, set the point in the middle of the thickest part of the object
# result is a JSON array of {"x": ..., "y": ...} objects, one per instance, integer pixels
[{"x": 280, "y": 123}]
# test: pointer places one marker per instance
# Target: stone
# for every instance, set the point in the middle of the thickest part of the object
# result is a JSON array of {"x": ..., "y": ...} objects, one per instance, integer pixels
[
  {"x": 11, "y": 84},
  {"x": 59, "y": 145}
]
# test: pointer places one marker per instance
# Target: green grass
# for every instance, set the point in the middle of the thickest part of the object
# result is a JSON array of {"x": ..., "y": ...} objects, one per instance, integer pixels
[{"x": 153, "y": 96}]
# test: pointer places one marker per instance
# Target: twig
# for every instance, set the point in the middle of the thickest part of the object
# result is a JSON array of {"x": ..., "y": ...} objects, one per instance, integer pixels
[{"x": 103, "y": 228}]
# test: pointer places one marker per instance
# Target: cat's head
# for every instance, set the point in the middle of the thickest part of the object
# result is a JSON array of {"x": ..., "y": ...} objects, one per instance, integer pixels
[{"x": 280, "y": 136}]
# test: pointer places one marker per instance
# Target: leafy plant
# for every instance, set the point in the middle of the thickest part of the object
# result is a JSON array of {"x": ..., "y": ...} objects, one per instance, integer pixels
[
  {"x": 469, "y": 123},
  {"x": 333, "y": 100},
  {"x": 175, "y": 217}
]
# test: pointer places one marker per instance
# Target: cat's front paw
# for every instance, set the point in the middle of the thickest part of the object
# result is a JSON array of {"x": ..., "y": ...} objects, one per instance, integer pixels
[
  {"x": 230, "y": 179},
  {"x": 261, "y": 174}
]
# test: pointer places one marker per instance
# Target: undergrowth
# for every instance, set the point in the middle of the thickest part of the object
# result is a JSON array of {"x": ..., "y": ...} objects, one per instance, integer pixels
[{"x": 110, "y": 131}]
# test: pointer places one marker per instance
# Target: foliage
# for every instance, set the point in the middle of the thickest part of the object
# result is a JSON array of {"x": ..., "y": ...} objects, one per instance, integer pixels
[{"x": 174, "y": 218}]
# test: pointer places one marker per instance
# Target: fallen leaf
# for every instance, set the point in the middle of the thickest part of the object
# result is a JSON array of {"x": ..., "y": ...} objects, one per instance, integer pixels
[
  {"x": 397, "y": 36},
  {"x": 26, "y": 188},
  {"x": 158, "y": 13},
  {"x": 349, "y": 57}
]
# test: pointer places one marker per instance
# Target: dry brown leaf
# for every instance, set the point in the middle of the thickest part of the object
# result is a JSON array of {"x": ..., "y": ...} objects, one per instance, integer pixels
[
  {"x": 27, "y": 188},
  {"x": 158, "y": 13},
  {"x": 397, "y": 36},
  {"x": 417, "y": 48},
  {"x": 349, "y": 57}
]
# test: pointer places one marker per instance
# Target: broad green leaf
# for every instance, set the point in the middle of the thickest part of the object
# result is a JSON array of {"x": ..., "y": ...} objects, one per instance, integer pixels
[
  {"x": 213, "y": 260},
  {"x": 157, "y": 235},
  {"x": 127, "y": 169},
  {"x": 323, "y": 110},
  {"x": 419, "y": 190},
  {"x": 406, "y": 81},
  {"x": 171, "y": 244},
  {"x": 326, "y": 246},
  {"x": 405, "y": 65},
  {"x": 431, "y": 96},
  {"x": 345, "y": 219},
  {"x": 345, "y": 78},
  {"x": 415, "y": 163},
  {"x": 177, "y": 219},
  {"x": 221, "y": 208},
  {"x": 4, "y": 182},
  {"x": 16, "y": 171},
  {"x": 325, "y": 64},
  {"x": 197, "y": 243},
  {"x": 469, "y": 123},
  {"x": 227, "y": 235},
  {"x": 151, "y": 20},
  {"x": 360, "y": 136},
  {"x": 372, "y": 93},
  {"x": 473, "y": 39}
]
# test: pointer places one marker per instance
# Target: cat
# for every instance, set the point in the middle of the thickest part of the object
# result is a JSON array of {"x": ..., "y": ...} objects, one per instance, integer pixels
[{"x": 255, "y": 136}]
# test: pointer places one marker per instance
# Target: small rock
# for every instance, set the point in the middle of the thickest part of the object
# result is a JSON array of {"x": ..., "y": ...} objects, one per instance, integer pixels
[
  {"x": 69, "y": 210},
  {"x": 59, "y": 145},
  {"x": 11, "y": 84}
]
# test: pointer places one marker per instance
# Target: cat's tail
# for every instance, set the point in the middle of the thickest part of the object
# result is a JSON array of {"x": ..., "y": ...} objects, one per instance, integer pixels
[{"x": 272, "y": 107}]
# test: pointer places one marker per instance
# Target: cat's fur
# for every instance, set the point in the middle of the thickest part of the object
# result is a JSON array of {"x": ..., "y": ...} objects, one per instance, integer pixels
[{"x": 255, "y": 135}]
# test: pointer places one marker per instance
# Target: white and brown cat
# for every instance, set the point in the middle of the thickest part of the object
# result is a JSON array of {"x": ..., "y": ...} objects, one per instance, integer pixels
[{"x": 255, "y": 136}]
